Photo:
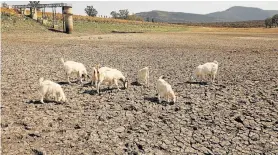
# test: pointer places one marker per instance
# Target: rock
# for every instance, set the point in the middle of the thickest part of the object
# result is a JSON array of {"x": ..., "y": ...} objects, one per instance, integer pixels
[
  {"x": 253, "y": 136},
  {"x": 38, "y": 152},
  {"x": 120, "y": 129},
  {"x": 77, "y": 126},
  {"x": 239, "y": 119},
  {"x": 35, "y": 134}
]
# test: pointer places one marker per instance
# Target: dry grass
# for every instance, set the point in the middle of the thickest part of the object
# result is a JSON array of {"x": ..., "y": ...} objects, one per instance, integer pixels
[
  {"x": 232, "y": 30},
  {"x": 86, "y": 24}
]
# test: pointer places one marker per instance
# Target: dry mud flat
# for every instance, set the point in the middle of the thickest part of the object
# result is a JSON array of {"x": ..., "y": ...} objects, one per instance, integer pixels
[{"x": 236, "y": 115}]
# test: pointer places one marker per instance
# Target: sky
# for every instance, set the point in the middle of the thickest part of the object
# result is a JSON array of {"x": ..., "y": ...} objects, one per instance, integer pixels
[{"x": 198, "y": 7}]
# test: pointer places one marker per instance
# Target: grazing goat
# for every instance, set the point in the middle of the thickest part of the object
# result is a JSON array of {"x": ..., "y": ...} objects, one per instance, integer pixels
[
  {"x": 208, "y": 69},
  {"x": 143, "y": 76},
  {"x": 96, "y": 72},
  {"x": 165, "y": 90},
  {"x": 51, "y": 89},
  {"x": 75, "y": 67},
  {"x": 110, "y": 76}
]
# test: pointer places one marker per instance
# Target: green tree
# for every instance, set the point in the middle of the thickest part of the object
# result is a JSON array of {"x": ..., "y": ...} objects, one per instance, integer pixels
[
  {"x": 91, "y": 11},
  {"x": 153, "y": 20},
  {"x": 114, "y": 14},
  {"x": 123, "y": 14},
  {"x": 5, "y": 5},
  {"x": 275, "y": 19},
  {"x": 268, "y": 22}
]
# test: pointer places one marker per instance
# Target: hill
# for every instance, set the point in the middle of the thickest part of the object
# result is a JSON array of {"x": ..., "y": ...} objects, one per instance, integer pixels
[
  {"x": 236, "y": 13},
  {"x": 175, "y": 17}
]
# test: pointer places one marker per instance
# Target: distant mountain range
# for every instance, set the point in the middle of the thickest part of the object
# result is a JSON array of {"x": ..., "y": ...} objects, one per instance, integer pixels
[{"x": 233, "y": 14}]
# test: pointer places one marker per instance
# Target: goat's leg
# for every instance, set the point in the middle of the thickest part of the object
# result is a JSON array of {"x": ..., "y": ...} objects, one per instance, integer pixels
[
  {"x": 159, "y": 98},
  {"x": 96, "y": 83},
  {"x": 68, "y": 78},
  {"x": 174, "y": 99},
  {"x": 97, "y": 86},
  {"x": 116, "y": 83},
  {"x": 147, "y": 83},
  {"x": 213, "y": 78},
  {"x": 80, "y": 77},
  {"x": 168, "y": 98},
  {"x": 110, "y": 85},
  {"x": 202, "y": 78},
  {"x": 42, "y": 98},
  {"x": 92, "y": 82}
]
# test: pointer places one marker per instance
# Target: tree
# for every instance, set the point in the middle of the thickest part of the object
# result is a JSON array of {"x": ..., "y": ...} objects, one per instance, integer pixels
[
  {"x": 91, "y": 11},
  {"x": 268, "y": 22},
  {"x": 123, "y": 14},
  {"x": 153, "y": 20},
  {"x": 114, "y": 14},
  {"x": 5, "y": 5},
  {"x": 275, "y": 19},
  {"x": 148, "y": 19}
]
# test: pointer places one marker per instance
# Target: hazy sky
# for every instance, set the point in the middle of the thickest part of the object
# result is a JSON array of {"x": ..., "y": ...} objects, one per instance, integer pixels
[{"x": 105, "y": 7}]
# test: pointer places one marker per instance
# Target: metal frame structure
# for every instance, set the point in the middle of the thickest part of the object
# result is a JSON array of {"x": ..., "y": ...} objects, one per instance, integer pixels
[
  {"x": 42, "y": 5},
  {"x": 52, "y": 5}
]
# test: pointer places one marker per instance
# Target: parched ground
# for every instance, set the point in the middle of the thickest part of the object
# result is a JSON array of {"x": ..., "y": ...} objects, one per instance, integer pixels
[{"x": 238, "y": 114}]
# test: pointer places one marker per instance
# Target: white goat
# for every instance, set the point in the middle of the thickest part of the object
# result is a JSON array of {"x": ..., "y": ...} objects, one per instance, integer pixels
[
  {"x": 143, "y": 76},
  {"x": 51, "y": 89},
  {"x": 96, "y": 72},
  {"x": 208, "y": 69},
  {"x": 75, "y": 67},
  {"x": 110, "y": 76},
  {"x": 165, "y": 90}
]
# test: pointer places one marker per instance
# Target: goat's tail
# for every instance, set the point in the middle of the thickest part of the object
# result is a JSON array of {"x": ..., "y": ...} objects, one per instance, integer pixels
[
  {"x": 41, "y": 80},
  {"x": 62, "y": 60},
  {"x": 161, "y": 77}
]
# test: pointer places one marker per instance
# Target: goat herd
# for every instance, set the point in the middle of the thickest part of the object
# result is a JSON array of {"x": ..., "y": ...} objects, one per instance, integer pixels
[{"x": 110, "y": 76}]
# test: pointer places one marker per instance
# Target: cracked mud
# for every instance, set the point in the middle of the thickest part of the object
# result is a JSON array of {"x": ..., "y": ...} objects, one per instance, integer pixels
[{"x": 238, "y": 114}]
